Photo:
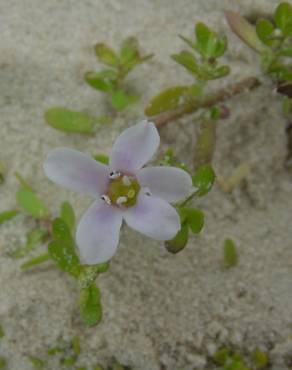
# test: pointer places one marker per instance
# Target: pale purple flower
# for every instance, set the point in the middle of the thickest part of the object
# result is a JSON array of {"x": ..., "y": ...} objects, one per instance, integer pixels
[{"x": 124, "y": 190}]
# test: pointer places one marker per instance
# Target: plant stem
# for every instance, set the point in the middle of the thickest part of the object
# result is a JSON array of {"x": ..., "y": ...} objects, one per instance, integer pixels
[
  {"x": 188, "y": 199},
  {"x": 36, "y": 261},
  {"x": 208, "y": 101},
  {"x": 205, "y": 144}
]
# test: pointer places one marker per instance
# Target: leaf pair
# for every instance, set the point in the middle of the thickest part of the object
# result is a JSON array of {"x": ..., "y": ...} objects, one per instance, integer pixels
[
  {"x": 271, "y": 39},
  {"x": 202, "y": 71},
  {"x": 231, "y": 360},
  {"x": 111, "y": 81},
  {"x": 128, "y": 57},
  {"x": 209, "y": 44},
  {"x": 63, "y": 251},
  {"x": 192, "y": 219},
  {"x": 28, "y": 199}
]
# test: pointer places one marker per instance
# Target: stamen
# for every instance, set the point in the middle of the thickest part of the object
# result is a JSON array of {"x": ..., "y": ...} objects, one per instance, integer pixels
[
  {"x": 121, "y": 200},
  {"x": 106, "y": 199},
  {"x": 126, "y": 180},
  {"x": 114, "y": 175},
  {"x": 131, "y": 193}
]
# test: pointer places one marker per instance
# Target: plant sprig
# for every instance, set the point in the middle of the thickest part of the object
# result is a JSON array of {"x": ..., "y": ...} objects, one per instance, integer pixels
[
  {"x": 111, "y": 81},
  {"x": 271, "y": 39},
  {"x": 57, "y": 233},
  {"x": 192, "y": 219}
]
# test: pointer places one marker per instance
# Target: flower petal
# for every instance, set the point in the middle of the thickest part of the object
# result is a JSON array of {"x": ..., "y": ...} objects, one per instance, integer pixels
[
  {"x": 153, "y": 217},
  {"x": 169, "y": 183},
  {"x": 97, "y": 234},
  {"x": 76, "y": 171},
  {"x": 134, "y": 147}
]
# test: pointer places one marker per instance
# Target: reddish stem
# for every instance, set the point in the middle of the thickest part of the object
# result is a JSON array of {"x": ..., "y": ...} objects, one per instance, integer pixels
[{"x": 221, "y": 95}]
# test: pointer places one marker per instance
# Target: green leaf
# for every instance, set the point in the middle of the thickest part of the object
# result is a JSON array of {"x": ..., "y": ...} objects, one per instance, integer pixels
[
  {"x": 203, "y": 72},
  {"x": 89, "y": 273},
  {"x": 62, "y": 248},
  {"x": 285, "y": 52},
  {"x": 287, "y": 108},
  {"x": 36, "y": 261},
  {"x": 2, "y": 172},
  {"x": 8, "y": 215},
  {"x": 204, "y": 179},
  {"x": 31, "y": 203},
  {"x": 102, "y": 158},
  {"x": 75, "y": 343},
  {"x": 62, "y": 253},
  {"x": 68, "y": 215},
  {"x": 3, "y": 363},
  {"x": 129, "y": 50},
  {"x": 283, "y": 18},
  {"x": 260, "y": 359},
  {"x": 230, "y": 254},
  {"x": 235, "y": 365},
  {"x": 209, "y": 44},
  {"x": 179, "y": 242},
  {"x": 69, "y": 121},
  {"x": 106, "y": 55},
  {"x": 265, "y": 29},
  {"x": 54, "y": 350},
  {"x": 194, "y": 218},
  {"x": 245, "y": 31},
  {"x": 166, "y": 100},
  {"x": 120, "y": 100},
  {"x": 130, "y": 55},
  {"x": 90, "y": 305},
  {"x": 187, "y": 60},
  {"x": 219, "y": 72},
  {"x": 222, "y": 356},
  {"x": 2, "y": 334},
  {"x": 104, "y": 81},
  {"x": 68, "y": 361},
  {"x": 33, "y": 239},
  {"x": 36, "y": 362}
]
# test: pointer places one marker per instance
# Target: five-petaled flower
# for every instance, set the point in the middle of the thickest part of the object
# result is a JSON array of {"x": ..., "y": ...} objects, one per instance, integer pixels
[{"x": 124, "y": 190}]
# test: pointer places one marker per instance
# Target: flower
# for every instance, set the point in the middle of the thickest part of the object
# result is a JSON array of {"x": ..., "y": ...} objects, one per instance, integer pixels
[{"x": 124, "y": 190}]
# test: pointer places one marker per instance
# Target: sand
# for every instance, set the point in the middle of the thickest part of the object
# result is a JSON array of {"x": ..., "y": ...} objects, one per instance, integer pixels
[{"x": 161, "y": 311}]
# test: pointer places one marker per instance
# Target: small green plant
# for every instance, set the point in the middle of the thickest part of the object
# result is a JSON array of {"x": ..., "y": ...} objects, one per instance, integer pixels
[
  {"x": 229, "y": 359},
  {"x": 110, "y": 81},
  {"x": 67, "y": 354},
  {"x": 192, "y": 219},
  {"x": 2, "y": 172},
  {"x": 203, "y": 65},
  {"x": 230, "y": 254},
  {"x": 202, "y": 62},
  {"x": 56, "y": 232},
  {"x": 272, "y": 39}
]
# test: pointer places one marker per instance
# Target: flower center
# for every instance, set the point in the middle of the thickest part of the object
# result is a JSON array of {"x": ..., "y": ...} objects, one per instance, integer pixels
[{"x": 122, "y": 190}]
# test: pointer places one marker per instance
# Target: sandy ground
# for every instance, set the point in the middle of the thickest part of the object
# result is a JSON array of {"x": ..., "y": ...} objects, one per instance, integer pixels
[{"x": 160, "y": 311}]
